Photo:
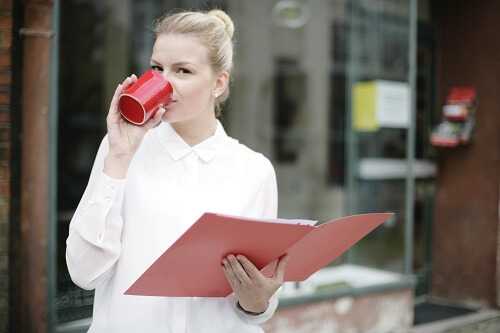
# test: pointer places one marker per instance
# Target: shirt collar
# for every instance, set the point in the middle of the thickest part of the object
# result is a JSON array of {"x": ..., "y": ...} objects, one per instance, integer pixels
[{"x": 178, "y": 148}]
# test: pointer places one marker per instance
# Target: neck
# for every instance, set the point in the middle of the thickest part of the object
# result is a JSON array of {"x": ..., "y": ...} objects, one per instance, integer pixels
[{"x": 196, "y": 130}]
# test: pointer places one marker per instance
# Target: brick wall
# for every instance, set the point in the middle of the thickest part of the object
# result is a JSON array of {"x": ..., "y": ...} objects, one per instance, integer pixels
[{"x": 5, "y": 81}]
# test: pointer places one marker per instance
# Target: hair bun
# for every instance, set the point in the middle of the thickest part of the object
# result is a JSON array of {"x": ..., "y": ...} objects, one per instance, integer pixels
[{"x": 228, "y": 23}]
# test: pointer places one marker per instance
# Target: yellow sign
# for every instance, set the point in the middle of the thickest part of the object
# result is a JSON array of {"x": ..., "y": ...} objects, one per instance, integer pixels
[{"x": 364, "y": 113}]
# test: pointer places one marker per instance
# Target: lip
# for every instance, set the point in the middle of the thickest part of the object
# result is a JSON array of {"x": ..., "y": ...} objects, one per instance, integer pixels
[{"x": 170, "y": 104}]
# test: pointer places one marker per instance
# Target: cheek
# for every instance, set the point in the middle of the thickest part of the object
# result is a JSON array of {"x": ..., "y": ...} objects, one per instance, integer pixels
[{"x": 196, "y": 92}]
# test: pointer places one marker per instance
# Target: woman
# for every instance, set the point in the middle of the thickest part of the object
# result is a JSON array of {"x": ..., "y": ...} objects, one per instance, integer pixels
[{"x": 150, "y": 183}]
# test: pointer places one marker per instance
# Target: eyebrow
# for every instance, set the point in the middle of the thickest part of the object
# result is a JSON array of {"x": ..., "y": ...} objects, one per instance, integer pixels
[{"x": 180, "y": 63}]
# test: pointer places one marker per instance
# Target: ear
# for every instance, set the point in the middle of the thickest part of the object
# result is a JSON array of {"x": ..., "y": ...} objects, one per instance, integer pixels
[{"x": 221, "y": 82}]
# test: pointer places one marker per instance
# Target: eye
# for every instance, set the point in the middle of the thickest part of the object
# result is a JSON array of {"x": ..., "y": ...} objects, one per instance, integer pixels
[
  {"x": 182, "y": 70},
  {"x": 157, "y": 68}
]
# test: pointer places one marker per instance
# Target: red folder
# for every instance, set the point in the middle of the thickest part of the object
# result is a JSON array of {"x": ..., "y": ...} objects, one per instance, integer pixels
[{"x": 192, "y": 265}]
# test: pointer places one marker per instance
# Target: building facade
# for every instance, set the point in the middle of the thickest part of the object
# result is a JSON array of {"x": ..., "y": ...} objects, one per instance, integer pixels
[{"x": 304, "y": 75}]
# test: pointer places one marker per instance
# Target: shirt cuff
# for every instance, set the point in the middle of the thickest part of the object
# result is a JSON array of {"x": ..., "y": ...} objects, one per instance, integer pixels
[
  {"x": 104, "y": 201},
  {"x": 260, "y": 318}
]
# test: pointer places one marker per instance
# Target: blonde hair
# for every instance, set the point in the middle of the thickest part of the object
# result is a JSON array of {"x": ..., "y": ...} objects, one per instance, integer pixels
[{"x": 214, "y": 29}]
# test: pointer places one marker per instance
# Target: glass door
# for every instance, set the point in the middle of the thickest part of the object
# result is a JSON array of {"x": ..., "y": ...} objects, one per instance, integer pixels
[{"x": 389, "y": 163}]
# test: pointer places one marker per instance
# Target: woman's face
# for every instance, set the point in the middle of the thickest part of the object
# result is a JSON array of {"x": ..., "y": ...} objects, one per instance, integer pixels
[{"x": 184, "y": 62}]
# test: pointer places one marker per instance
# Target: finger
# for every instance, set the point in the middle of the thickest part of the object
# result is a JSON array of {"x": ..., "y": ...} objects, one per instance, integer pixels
[
  {"x": 114, "y": 100},
  {"x": 231, "y": 278},
  {"x": 129, "y": 80},
  {"x": 118, "y": 91},
  {"x": 238, "y": 269},
  {"x": 249, "y": 267},
  {"x": 280, "y": 268},
  {"x": 156, "y": 119},
  {"x": 113, "y": 110}
]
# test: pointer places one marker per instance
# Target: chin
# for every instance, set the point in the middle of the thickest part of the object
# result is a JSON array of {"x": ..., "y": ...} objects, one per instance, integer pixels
[
  {"x": 171, "y": 118},
  {"x": 168, "y": 117}
]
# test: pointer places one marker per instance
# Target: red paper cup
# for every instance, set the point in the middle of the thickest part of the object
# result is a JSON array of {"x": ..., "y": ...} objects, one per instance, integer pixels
[{"x": 141, "y": 100}]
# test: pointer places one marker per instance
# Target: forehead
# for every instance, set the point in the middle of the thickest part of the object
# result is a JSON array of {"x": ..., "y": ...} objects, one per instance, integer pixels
[{"x": 173, "y": 48}]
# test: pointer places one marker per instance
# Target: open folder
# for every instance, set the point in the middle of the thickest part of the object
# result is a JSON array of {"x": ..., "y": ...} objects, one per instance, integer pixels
[{"x": 192, "y": 265}]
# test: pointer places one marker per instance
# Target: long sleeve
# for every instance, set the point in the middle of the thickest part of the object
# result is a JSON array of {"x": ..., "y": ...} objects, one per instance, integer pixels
[
  {"x": 94, "y": 242},
  {"x": 267, "y": 198},
  {"x": 267, "y": 204}
]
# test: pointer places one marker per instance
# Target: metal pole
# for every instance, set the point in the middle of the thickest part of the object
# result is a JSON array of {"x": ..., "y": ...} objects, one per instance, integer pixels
[
  {"x": 410, "y": 142},
  {"x": 350, "y": 135},
  {"x": 36, "y": 34},
  {"x": 52, "y": 202}
]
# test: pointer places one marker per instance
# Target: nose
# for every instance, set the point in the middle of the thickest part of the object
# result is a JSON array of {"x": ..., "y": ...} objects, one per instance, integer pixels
[
  {"x": 172, "y": 83},
  {"x": 165, "y": 74}
]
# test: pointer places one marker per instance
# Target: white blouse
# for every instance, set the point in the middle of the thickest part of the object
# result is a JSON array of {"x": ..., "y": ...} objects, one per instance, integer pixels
[{"x": 121, "y": 226}]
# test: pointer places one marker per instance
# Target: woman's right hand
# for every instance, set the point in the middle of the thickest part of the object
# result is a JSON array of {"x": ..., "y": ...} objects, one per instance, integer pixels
[{"x": 124, "y": 138}]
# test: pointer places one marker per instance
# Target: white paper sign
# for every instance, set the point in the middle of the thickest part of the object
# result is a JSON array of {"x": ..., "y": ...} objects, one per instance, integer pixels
[{"x": 393, "y": 104}]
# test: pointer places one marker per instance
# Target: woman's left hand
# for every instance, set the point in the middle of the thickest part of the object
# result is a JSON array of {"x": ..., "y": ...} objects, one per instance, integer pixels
[{"x": 252, "y": 288}]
